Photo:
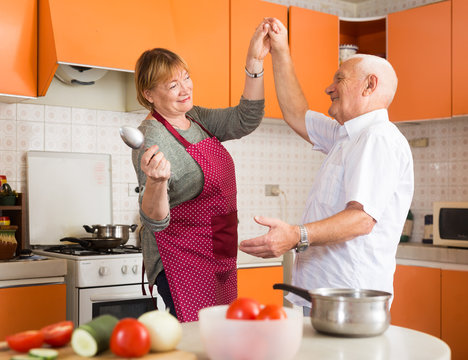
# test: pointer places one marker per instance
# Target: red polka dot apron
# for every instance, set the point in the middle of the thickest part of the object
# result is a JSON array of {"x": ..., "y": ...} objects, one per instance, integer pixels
[{"x": 199, "y": 247}]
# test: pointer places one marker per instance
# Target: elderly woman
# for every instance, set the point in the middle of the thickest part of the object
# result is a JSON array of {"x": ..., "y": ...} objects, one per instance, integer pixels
[{"x": 187, "y": 180}]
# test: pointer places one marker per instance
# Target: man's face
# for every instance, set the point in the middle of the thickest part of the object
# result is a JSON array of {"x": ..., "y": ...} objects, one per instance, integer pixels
[{"x": 346, "y": 92}]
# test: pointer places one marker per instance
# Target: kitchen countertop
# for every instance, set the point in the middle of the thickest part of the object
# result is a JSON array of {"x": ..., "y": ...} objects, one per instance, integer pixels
[
  {"x": 31, "y": 271},
  {"x": 396, "y": 343},
  {"x": 432, "y": 256}
]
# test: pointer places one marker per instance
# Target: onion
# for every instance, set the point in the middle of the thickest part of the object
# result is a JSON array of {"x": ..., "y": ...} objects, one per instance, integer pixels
[{"x": 164, "y": 329}]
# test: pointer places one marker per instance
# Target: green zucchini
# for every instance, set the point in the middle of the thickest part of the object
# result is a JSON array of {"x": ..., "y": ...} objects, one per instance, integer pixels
[
  {"x": 93, "y": 337},
  {"x": 43, "y": 354},
  {"x": 22, "y": 357}
]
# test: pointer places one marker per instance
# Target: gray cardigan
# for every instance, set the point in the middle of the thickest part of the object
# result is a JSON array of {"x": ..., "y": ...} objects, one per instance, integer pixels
[{"x": 186, "y": 181}]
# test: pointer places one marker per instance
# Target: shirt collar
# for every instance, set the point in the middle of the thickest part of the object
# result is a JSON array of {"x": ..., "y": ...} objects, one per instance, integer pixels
[{"x": 355, "y": 126}]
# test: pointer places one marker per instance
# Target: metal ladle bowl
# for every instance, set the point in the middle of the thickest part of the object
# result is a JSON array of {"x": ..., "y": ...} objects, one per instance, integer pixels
[{"x": 132, "y": 137}]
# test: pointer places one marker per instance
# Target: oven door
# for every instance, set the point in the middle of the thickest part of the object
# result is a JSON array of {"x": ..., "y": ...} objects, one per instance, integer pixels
[{"x": 120, "y": 301}]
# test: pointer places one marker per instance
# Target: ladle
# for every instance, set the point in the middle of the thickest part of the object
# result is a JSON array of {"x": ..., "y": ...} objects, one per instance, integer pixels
[{"x": 132, "y": 137}]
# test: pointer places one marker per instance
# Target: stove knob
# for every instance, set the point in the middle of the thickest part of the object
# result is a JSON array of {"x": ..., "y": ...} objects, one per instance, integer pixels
[
  {"x": 124, "y": 269},
  {"x": 103, "y": 271},
  {"x": 135, "y": 269}
]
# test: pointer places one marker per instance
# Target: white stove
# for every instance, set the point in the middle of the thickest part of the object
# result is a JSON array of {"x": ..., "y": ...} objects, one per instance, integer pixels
[{"x": 104, "y": 282}]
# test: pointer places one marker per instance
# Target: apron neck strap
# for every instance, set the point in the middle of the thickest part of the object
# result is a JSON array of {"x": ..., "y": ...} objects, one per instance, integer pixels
[{"x": 173, "y": 131}]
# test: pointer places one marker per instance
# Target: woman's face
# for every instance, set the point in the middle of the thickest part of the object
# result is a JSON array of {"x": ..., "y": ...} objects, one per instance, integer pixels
[{"x": 174, "y": 97}]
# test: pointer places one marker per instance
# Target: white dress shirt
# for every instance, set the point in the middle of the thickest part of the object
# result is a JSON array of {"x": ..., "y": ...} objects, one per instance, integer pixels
[{"x": 368, "y": 161}]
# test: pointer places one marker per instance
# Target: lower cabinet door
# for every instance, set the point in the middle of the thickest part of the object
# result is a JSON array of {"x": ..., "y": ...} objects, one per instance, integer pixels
[
  {"x": 257, "y": 283},
  {"x": 31, "y": 307},
  {"x": 455, "y": 312},
  {"x": 416, "y": 303}
]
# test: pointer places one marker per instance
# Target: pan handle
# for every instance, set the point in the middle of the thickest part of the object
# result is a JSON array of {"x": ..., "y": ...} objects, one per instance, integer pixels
[
  {"x": 82, "y": 242},
  {"x": 89, "y": 229},
  {"x": 295, "y": 290},
  {"x": 133, "y": 227}
]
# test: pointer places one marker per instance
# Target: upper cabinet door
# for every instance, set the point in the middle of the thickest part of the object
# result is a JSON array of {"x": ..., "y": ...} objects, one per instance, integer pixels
[
  {"x": 18, "y": 48},
  {"x": 459, "y": 57},
  {"x": 313, "y": 39},
  {"x": 246, "y": 15},
  {"x": 419, "y": 48},
  {"x": 201, "y": 30},
  {"x": 100, "y": 34}
]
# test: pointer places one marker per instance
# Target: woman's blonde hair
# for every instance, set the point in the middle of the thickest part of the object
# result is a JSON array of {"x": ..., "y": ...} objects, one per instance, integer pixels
[{"x": 154, "y": 67}]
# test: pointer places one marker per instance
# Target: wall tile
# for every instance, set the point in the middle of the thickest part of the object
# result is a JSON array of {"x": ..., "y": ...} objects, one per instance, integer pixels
[
  {"x": 30, "y": 112},
  {"x": 57, "y": 114},
  {"x": 8, "y": 135},
  {"x": 30, "y": 135},
  {"x": 58, "y": 137},
  {"x": 84, "y": 138},
  {"x": 84, "y": 116},
  {"x": 7, "y": 111}
]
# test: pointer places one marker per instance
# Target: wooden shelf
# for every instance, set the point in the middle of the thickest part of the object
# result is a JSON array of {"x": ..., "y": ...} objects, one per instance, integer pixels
[
  {"x": 17, "y": 215},
  {"x": 368, "y": 35}
]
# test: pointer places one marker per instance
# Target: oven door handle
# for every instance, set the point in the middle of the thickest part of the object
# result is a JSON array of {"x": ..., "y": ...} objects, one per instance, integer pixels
[{"x": 117, "y": 297}]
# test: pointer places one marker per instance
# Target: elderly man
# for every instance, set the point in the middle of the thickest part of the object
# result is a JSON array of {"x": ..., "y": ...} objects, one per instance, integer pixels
[{"x": 359, "y": 201}]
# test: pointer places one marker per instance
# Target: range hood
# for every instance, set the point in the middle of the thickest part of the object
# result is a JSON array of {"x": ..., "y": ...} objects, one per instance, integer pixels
[
  {"x": 92, "y": 34},
  {"x": 78, "y": 75}
]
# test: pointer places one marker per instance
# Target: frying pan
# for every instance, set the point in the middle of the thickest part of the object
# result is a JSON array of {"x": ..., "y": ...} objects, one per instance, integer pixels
[
  {"x": 94, "y": 243},
  {"x": 346, "y": 312}
]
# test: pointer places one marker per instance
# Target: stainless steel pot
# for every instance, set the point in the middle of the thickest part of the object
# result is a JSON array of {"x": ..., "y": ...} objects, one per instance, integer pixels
[
  {"x": 121, "y": 232},
  {"x": 346, "y": 312}
]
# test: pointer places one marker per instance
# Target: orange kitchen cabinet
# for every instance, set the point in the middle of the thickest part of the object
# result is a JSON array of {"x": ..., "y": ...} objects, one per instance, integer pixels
[
  {"x": 459, "y": 57},
  {"x": 92, "y": 33},
  {"x": 314, "y": 44},
  {"x": 419, "y": 48},
  {"x": 18, "y": 48},
  {"x": 201, "y": 30},
  {"x": 416, "y": 303},
  {"x": 246, "y": 15},
  {"x": 455, "y": 312},
  {"x": 31, "y": 307},
  {"x": 257, "y": 283}
]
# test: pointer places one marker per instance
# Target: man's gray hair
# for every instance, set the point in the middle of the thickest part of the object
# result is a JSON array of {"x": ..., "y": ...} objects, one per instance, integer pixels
[{"x": 388, "y": 81}]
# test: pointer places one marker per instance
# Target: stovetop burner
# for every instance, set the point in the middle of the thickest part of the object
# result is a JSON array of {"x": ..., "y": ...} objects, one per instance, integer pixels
[{"x": 78, "y": 250}]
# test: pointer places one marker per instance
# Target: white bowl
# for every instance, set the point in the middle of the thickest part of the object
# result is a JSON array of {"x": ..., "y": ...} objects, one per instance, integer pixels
[{"x": 227, "y": 339}]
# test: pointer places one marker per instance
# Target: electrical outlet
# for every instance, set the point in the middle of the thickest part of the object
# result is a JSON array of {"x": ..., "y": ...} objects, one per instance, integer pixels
[
  {"x": 421, "y": 142},
  {"x": 132, "y": 189},
  {"x": 272, "y": 190}
]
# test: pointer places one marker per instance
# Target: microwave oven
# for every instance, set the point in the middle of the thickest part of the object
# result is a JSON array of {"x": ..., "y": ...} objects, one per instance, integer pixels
[{"x": 450, "y": 223}]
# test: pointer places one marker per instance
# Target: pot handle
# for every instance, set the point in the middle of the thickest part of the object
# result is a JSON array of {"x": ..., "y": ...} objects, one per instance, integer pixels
[
  {"x": 90, "y": 229},
  {"x": 133, "y": 227},
  {"x": 295, "y": 290},
  {"x": 82, "y": 242}
]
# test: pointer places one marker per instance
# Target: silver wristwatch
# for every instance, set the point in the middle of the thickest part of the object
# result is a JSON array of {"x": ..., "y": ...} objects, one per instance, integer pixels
[{"x": 303, "y": 243}]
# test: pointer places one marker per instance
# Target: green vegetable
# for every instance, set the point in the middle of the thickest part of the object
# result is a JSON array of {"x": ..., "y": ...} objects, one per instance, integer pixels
[
  {"x": 23, "y": 357},
  {"x": 92, "y": 338},
  {"x": 43, "y": 354}
]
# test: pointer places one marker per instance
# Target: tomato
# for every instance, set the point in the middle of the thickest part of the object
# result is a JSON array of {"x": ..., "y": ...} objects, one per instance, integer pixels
[
  {"x": 272, "y": 312},
  {"x": 244, "y": 309},
  {"x": 24, "y": 341},
  {"x": 58, "y": 334},
  {"x": 130, "y": 338}
]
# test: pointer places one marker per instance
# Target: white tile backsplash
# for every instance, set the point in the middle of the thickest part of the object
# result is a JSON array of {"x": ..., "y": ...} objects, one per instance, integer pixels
[{"x": 272, "y": 154}]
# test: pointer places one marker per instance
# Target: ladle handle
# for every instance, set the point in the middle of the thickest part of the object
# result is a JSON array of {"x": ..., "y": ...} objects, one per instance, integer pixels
[{"x": 295, "y": 290}]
